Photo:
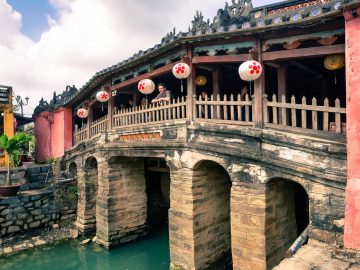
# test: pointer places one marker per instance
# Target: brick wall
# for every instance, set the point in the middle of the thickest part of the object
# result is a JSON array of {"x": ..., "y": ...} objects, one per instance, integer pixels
[
  {"x": 87, "y": 189},
  {"x": 280, "y": 224},
  {"x": 122, "y": 202},
  {"x": 211, "y": 190},
  {"x": 248, "y": 227}
]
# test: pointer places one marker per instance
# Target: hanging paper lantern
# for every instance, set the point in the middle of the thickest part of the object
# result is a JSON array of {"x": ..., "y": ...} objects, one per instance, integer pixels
[
  {"x": 82, "y": 113},
  {"x": 334, "y": 62},
  {"x": 200, "y": 80},
  {"x": 102, "y": 96},
  {"x": 146, "y": 86},
  {"x": 250, "y": 70},
  {"x": 181, "y": 70}
]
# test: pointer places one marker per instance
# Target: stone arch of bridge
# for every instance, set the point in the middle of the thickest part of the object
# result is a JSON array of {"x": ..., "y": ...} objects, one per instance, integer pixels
[
  {"x": 287, "y": 216},
  {"x": 87, "y": 191},
  {"x": 211, "y": 187},
  {"x": 72, "y": 170}
]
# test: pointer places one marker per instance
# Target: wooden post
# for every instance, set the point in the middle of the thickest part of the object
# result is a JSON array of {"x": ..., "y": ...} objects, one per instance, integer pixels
[
  {"x": 89, "y": 121},
  {"x": 216, "y": 82},
  {"x": 259, "y": 91},
  {"x": 110, "y": 111},
  {"x": 191, "y": 94},
  {"x": 282, "y": 84},
  {"x": 282, "y": 81}
]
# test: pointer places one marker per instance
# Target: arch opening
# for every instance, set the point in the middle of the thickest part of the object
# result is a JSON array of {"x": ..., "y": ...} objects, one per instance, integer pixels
[
  {"x": 72, "y": 170},
  {"x": 88, "y": 192},
  {"x": 287, "y": 216},
  {"x": 212, "y": 230},
  {"x": 157, "y": 175}
]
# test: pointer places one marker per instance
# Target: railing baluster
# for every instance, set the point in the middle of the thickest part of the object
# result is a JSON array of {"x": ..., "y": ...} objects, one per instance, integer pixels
[
  {"x": 212, "y": 107},
  {"x": 178, "y": 108},
  {"x": 326, "y": 115},
  {"x": 183, "y": 107},
  {"x": 206, "y": 108},
  {"x": 225, "y": 111},
  {"x": 303, "y": 113},
  {"x": 275, "y": 110},
  {"x": 174, "y": 109},
  {"x": 239, "y": 115},
  {"x": 293, "y": 112},
  {"x": 314, "y": 117},
  {"x": 283, "y": 111},
  {"x": 265, "y": 109},
  {"x": 218, "y": 107},
  {"x": 247, "y": 109},
  {"x": 198, "y": 108},
  {"x": 337, "y": 117}
]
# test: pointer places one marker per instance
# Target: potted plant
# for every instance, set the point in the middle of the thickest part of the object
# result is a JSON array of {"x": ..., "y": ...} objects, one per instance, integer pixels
[{"x": 14, "y": 147}]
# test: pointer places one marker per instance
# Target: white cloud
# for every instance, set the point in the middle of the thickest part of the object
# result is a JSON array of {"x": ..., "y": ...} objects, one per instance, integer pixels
[{"x": 88, "y": 36}]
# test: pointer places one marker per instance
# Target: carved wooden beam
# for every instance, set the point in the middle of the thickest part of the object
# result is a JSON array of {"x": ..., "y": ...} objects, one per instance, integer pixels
[{"x": 303, "y": 53}]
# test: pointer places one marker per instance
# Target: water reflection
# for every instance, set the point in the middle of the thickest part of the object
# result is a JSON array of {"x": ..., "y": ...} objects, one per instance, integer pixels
[{"x": 149, "y": 253}]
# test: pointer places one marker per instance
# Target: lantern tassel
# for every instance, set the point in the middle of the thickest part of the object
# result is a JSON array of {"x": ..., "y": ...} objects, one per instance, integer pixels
[
  {"x": 102, "y": 107},
  {"x": 182, "y": 87},
  {"x": 335, "y": 78}
]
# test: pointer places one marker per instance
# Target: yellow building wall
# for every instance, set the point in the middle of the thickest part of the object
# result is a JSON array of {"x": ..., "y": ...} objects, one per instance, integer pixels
[{"x": 8, "y": 130}]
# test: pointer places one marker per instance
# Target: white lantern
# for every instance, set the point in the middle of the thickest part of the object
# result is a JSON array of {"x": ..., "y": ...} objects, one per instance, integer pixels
[
  {"x": 250, "y": 70},
  {"x": 82, "y": 113},
  {"x": 146, "y": 86},
  {"x": 181, "y": 70},
  {"x": 102, "y": 96}
]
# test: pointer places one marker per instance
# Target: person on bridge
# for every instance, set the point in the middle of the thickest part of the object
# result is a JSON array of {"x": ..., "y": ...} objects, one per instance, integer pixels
[{"x": 164, "y": 95}]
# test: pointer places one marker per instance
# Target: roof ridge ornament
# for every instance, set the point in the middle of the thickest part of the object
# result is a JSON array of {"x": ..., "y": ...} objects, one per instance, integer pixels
[
  {"x": 198, "y": 23},
  {"x": 240, "y": 9}
]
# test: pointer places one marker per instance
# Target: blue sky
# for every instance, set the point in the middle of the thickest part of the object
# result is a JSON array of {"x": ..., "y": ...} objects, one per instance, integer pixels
[
  {"x": 48, "y": 44},
  {"x": 34, "y": 14},
  {"x": 34, "y": 20}
]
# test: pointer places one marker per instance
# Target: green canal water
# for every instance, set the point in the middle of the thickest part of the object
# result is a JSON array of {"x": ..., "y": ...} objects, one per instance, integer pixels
[{"x": 149, "y": 253}]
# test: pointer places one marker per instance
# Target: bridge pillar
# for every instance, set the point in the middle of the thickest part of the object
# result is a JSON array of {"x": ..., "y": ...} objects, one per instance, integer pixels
[
  {"x": 122, "y": 201},
  {"x": 248, "y": 227},
  {"x": 352, "y": 212},
  {"x": 199, "y": 217},
  {"x": 87, "y": 190}
]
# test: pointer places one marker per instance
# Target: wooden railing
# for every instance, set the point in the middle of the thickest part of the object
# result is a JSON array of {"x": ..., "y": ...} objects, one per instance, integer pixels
[
  {"x": 81, "y": 134},
  {"x": 325, "y": 117},
  {"x": 152, "y": 113},
  {"x": 98, "y": 126},
  {"x": 305, "y": 116},
  {"x": 232, "y": 110}
]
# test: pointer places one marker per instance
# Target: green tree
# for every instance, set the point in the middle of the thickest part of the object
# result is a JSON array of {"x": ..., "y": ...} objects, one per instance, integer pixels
[{"x": 14, "y": 147}]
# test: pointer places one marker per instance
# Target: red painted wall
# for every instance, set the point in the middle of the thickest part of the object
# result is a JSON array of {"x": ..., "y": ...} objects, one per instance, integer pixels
[
  {"x": 352, "y": 210},
  {"x": 43, "y": 138},
  {"x": 53, "y": 133}
]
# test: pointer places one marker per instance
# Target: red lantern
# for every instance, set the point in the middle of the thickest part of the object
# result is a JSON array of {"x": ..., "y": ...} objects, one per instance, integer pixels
[
  {"x": 250, "y": 70},
  {"x": 181, "y": 70},
  {"x": 82, "y": 113},
  {"x": 146, "y": 86},
  {"x": 102, "y": 96}
]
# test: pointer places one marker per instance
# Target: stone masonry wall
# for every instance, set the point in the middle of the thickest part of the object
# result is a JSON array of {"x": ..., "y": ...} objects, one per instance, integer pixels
[
  {"x": 280, "y": 224},
  {"x": 87, "y": 190},
  {"x": 122, "y": 202},
  {"x": 33, "y": 209},
  {"x": 211, "y": 191},
  {"x": 248, "y": 226},
  {"x": 181, "y": 228}
]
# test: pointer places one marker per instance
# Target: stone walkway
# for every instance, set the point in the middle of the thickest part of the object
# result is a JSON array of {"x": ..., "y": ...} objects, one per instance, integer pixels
[
  {"x": 31, "y": 239},
  {"x": 319, "y": 256}
]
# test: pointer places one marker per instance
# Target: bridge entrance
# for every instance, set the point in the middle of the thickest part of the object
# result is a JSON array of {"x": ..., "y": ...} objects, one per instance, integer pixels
[
  {"x": 287, "y": 216},
  {"x": 157, "y": 175}
]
